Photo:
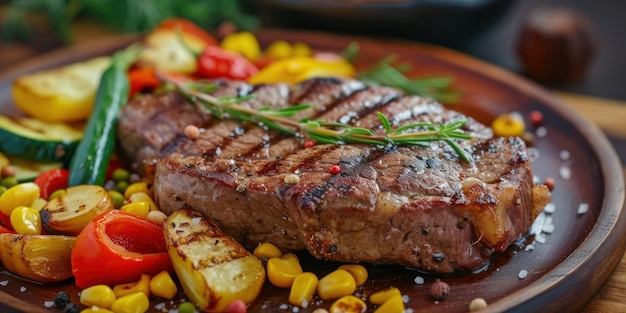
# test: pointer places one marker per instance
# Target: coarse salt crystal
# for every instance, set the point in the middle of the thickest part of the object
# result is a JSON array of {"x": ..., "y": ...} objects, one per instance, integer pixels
[
  {"x": 541, "y": 131},
  {"x": 405, "y": 299},
  {"x": 565, "y": 172},
  {"x": 564, "y": 155},
  {"x": 22, "y": 289},
  {"x": 295, "y": 309},
  {"x": 48, "y": 304},
  {"x": 419, "y": 280},
  {"x": 549, "y": 208},
  {"x": 540, "y": 238},
  {"x": 548, "y": 225},
  {"x": 583, "y": 208},
  {"x": 283, "y": 306},
  {"x": 522, "y": 274},
  {"x": 529, "y": 247},
  {"x": 4, "y": 282},
  {"x": 196, "y": 220},
  {"x": 160, "y": 306}
]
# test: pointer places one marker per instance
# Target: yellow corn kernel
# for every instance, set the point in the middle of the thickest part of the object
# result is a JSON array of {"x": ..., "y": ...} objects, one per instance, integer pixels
[
  {"x": 143, "y": 197},
  {"x": 348, "y": 304},
  {"x": 23, "y": 194},
  {"x": 26, "y": 221},
  {"x": 508, "y": 125},
  {"x": 279, "y": 49},
  {"x": 101, "y": 296},
  {"x": 301, "y": 49},
  {"x": 282, "y": 271},
  {"x": 267, "y": 250},
  {"x": 358, "y": 271},
  {"x": 244, "y": 43},
  {"x": 140, "y": 208},
  {"x": 136, "y": 302},
  {"x": 393, "y": 305},
  {"x": 336, "y": 284},
  {"x": 303, "y": 288},
  {"x": 381, "y": 296},
  {"x": 163, "y": 286},
  {"x": 142, "y": 285},
  {"x": 96, "y": 310},
  {"x": 140, "y": 186}
]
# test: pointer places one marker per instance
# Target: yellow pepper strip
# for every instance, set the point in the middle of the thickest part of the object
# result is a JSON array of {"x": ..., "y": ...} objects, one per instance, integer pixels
[
  {"x": 335, "y": 285},
  {"x": 348, "y": 304},
  {"x": 163, "y": 286},
  {"x": 244, "y": 43},
  {"x": 296, "y": 69},
  {"x": 26, "y": 221},
  {"x": 23, "y": 194},
  {"x": 136, "y": 302},
  {"x": 142, "y": 285},
  {"x": 392, "y": 305},
  {"x": 101, "y": 296},
  {"x": 282, "y": 271},
  {"x": 303, "y": 288},
  {"x": 267, "y": 250},
  {"x": 358, "y": 271},
  {"x": 141, "y": 208},
  {"x": 381, "y": 296}
]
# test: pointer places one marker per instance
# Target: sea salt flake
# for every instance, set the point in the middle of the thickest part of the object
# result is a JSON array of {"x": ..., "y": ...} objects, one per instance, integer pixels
[
  {"x": 535, "y": 228},
  {"x": 549, "y": 208},
  {"x": 564, "y": 155},
  {"x": 48, "y": 304},
  {"x": 565, "y": 172},
  {"x": 4, "y": 283},
  {"x": 405, "y": 299},
  {"x": 22, "y": 289},
  {"x": 541, "y": 131},
  {"x": 160, "y": 306},
  {"x": 529, "y": 247},
  {"x": 283, "y": 306},
  {"x": 419, "y": 280},
  {"x": 548, "y": 225},
  {"x": 583, "y": 208},
  {"x": 540, "y": 238},
  {"x": 522, "y": 274}
]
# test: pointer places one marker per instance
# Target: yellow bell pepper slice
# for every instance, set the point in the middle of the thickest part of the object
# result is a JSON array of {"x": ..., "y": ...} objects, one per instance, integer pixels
[{"x": 296, "y": 69}]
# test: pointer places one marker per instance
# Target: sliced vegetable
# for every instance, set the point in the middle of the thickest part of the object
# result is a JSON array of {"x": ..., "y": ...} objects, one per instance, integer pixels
[
  {"x": 187, "y": 28},
  {"x": 297, "y": 69},
  {"x": 68, "y": 214},
  {"x": 51, "y": 181},
  {"x": 34, "y": 139},
  {"x": 60, "y": 95},
  {"x": 43, "y": 258},
  {"x": 215, "y": 62},
  {"x": 214, "y": 270},
  {"x": 244, "y": 43},
  {"x": 142, "y": 79},
  {"x": 27, "y": 170},
  {"x": 91, "y": 158},
  {"x": 117, "y": 248}
]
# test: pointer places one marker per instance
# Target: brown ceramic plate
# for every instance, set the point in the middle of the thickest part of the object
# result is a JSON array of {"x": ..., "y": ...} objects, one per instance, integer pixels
[{"x": 564, "y": 272}]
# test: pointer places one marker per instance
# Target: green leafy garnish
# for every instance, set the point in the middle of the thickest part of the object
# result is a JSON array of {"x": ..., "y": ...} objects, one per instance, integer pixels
[{"x": 415, "y": 134}]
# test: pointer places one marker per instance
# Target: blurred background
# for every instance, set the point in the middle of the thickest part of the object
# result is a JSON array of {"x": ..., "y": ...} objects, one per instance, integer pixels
[{"x": 573, "y": 47}]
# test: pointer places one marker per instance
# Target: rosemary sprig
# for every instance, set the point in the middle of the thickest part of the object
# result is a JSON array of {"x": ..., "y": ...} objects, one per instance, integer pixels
[
  {"x": 414, "y": 134},
  {"x": 386, "y": 73}
]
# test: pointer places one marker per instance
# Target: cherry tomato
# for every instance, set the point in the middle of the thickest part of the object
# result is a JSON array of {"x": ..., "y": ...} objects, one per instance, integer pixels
[{"x": 216, "y": 62}]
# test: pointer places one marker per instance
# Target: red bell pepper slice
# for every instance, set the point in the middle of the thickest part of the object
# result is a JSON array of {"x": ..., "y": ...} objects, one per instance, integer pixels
[
  {"x": 142, "y": 79},
  {"x": 215, "y": 62},
  {"x": 51, "y": 181},
  {"x": 5, "y": 224},
  {"x": 188, "y": 27},
  {"x": 116, "y": 248}
]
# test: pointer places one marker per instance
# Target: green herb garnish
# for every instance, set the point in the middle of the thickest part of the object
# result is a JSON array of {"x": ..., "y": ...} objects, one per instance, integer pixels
[{"x": 415, "y": 134}]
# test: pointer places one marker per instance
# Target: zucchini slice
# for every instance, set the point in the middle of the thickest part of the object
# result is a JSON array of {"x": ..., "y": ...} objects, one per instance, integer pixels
[
  {"x": 36, "y": 140},
  {"x": 27, "y": 170}
]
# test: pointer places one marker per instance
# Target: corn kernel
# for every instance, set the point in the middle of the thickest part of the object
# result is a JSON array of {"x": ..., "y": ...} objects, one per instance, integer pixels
[
  {"x": 140, "y": 186},
  {"x": 358, "y": 271},
  {"x": 163, "y": 286},
  {"x": 23, "y": 194},
  {"x": 140, "y": 208},
  {"x": 336, "y": 284},
  {"x": 303, "y": 288},
  {"x": 282, "y": 271},
  {"x": 348, "y": 304},
  {"x": 156, "y": 217},
  {"x": 136, "y": 302},
  {"x": 508, "y": 125},
  {"x": 142, "y": 285},
  {"x": 101, "y": 296},
  {"x": 393, "y": 305},
  {"x": 381, "y": 296},
  {"x": 26, "y": 221},
  {"x": 267, "y": 250},
  {"x": 143, "y": 197},
  {"x": 96, "y": 310}
]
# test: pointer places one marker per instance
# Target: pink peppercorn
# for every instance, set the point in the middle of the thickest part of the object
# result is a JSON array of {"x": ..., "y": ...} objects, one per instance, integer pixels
[
  {"x": 192, "y": 132},
  {"x": 308, "y": 144},
  {"x": 335, "y": 169},
  {"x": 536, "y": 117},
  {"x": 237, "y": 306},
  {"x": 440, "y": 290}
]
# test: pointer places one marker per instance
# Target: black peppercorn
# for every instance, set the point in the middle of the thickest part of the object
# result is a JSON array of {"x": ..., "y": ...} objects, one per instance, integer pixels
[{"x": 61, "y": 299}]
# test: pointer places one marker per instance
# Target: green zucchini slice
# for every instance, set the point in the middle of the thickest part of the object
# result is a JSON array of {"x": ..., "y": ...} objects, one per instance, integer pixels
[
  {"x": 36, "y": 140},
  {"x": 27, "y": 170}
]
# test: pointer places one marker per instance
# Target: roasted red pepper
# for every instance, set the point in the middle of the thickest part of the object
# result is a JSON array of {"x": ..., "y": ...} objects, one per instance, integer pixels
[
  {"x": 216, "y": 62},
  {"x": 142, "y": 79},
  {"x": 116, "y": 248},
  {"x": 189, "y": 28},
  {"x": 51, "y": 181}
]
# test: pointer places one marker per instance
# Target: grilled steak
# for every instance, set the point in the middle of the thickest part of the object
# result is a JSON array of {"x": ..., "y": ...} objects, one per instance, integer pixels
[{"x": 417, "y": 206}]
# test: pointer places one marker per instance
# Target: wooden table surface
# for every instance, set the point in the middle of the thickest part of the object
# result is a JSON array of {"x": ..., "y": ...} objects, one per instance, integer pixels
[{"x": 609, "y": 115}]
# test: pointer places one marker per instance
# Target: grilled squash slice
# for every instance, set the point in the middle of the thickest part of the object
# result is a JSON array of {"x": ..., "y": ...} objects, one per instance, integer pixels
[{"x": 214, "y": 270}]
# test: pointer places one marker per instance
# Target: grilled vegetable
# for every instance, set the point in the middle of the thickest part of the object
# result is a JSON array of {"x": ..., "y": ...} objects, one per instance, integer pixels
[
  {"x": 33, "y": 139},
  {"x": 68, "y": 214},
  {"x": 62, "y": 94},
  {"x": 213, "y": 268},
  {"x": 90, "y": 161},
  {"x": 27, "y": 170},
  {"x": 117, "y": 248},
  {"x": 43, "y": 258}
]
